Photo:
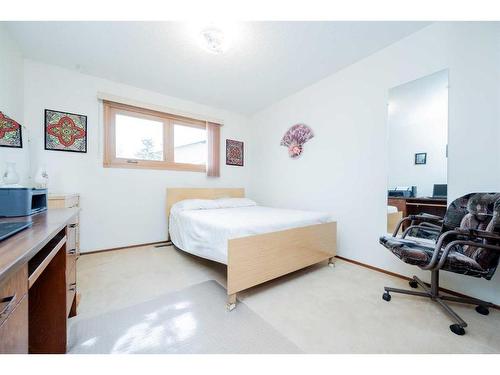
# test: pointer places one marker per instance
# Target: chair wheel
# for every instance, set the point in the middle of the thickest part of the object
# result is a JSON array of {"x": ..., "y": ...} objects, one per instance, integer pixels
[
  {"x": 386, "y": 296},
  {"x": 413, "y": 283},
  {"x": 483, "y": 310},
  {"x": 457, "y": 329}
]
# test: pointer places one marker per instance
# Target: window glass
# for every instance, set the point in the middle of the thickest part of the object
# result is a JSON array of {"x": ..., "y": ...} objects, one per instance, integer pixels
[
  {"x": 138, "y": 138},
  {"x": 190, "y": 144}
]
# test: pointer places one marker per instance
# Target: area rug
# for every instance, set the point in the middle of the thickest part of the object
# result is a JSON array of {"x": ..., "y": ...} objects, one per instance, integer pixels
[{"x": 192, "y": 320}]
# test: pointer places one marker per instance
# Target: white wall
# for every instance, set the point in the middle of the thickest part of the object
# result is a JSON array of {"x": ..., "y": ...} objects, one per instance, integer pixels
[
  {"x": 120, "y": 207},
  {"x": 418, "y": 122},
  {"x": 11, "y": 102},
  {"x": 344, "y": 168}
]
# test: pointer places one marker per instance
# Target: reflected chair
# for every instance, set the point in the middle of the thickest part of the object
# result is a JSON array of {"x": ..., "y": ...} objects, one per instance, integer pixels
[{"x": 465, "y": 241}]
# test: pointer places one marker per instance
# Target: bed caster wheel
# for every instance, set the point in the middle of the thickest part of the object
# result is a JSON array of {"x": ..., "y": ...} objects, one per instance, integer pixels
[
  {"x": 230, "y": 306},
  {"x": 331, "y": 264},
  {"x": 483, "y": 310},
  {"x": 413, "y": 284},
  {"x": 457, "y": 329},
  {"x": 386, "y": 296}
]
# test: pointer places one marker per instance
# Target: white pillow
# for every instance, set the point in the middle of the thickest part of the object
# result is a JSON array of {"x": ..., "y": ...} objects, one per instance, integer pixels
[
  {"x": 234, "y": 202},
  {"x": 194, "y": 204}
]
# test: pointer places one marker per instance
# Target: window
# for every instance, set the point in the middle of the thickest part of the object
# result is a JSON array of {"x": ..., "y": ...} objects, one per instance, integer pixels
[
  {"x": 190, "y": 144},
  {"x": 143, "y": 138}
]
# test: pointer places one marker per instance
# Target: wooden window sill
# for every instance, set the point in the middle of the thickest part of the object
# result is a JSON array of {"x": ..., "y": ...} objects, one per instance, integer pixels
[{"x": 157, "y": 165}]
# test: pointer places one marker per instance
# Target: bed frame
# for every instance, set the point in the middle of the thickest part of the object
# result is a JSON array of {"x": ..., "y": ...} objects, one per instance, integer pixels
[
  {"x": 253, "y": 260},
  {"x": 392, "y": 220}
]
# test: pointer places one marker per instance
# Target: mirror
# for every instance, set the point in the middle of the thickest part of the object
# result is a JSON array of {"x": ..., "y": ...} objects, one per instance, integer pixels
[
  {"x": 417, "y": 146},
  {"x": 14, "y": 156}
]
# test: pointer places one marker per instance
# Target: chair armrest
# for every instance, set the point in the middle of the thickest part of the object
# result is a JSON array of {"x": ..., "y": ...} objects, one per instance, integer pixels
[
  {"x": 425, "y": 218},
  {"x": 437, "y": 249},
  {"x": 481, "y": 234},
  {"x": 463, "y": 242},
  {"x": 437, "y": 262}
]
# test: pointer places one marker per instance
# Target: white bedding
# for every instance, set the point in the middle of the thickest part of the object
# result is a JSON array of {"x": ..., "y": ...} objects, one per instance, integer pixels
[
  {"x": 392, "y": 209},
  {"x": 205, "y": 232}
]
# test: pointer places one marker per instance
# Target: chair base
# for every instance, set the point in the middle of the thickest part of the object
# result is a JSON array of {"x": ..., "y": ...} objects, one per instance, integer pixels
[{"x": 433, "y": 294}]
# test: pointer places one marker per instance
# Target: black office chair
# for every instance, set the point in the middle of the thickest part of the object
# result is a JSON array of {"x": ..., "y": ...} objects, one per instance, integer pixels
[{"x": 465, "y": 241}]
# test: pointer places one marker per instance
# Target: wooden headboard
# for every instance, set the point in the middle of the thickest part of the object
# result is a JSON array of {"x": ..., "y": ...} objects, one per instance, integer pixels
[{"x": 175, "y": 195}]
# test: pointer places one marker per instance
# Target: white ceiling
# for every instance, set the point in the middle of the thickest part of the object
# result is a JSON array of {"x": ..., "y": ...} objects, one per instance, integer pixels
[{"x": 266, "y": 62}]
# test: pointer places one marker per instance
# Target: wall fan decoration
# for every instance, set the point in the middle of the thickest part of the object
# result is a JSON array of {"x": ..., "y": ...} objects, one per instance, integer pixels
[
  {"x": 65, "y": 131},
  {"x": 294, "y": 139},
  {"x": 10, "y": 132}
]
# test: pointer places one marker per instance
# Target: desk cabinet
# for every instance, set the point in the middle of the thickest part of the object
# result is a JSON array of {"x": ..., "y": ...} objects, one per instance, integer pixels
[
  {"x": 38, "y": 284},
  {"x": 71, "y": 289},
  {"x": 68, "y": 201},
  {"x": 14, "y": 313},
  {"x": 72, "y": 247},
  {"x": 14, "y": 330}
]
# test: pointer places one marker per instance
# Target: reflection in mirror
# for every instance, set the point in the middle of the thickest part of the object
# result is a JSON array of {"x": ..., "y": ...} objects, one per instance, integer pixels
[
  {"x": 14, "y": 137},
  {"x": 418, "y": 137}
]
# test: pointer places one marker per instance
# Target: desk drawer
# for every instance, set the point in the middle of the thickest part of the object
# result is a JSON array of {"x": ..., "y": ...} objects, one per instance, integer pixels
[
  {"x": 14, "y": 330},
  {"x": 70, "y": 260},
  {"x": 12, "y": 291},
  {"x": 70, "y": 288},
  {"x": 71, "y": 235}
]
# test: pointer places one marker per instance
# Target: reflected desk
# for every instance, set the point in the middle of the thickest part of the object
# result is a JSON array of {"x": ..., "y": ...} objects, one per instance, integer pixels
[{"x": 415, "y": 206}]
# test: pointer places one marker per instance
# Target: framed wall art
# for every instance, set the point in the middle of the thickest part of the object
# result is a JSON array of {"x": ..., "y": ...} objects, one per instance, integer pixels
[
  {"x": 65, "y": 131},
  {"x": 234, "y": 152},
  {"x": 10, "y": 132},
  {"x": 421, "y": 158}
]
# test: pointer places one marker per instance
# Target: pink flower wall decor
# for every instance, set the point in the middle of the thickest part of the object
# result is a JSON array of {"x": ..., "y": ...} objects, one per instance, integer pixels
[{"x": 295, "y": 137}]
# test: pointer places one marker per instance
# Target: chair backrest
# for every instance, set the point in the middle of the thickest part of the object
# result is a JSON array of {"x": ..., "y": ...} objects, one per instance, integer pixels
[{"x": 479, "y": 211}]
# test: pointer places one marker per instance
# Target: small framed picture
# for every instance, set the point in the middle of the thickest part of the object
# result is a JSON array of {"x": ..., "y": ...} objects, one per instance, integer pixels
[
  {"x": 234, "y": 153},
  {"x": 421, "y": 158},
  {"x": 65, "y": 131}
]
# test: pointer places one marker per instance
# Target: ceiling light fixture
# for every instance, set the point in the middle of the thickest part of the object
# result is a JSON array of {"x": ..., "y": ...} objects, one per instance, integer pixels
[{"x": 214, "y": 40}]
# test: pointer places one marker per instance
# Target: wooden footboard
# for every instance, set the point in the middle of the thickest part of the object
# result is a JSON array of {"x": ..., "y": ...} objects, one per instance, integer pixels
[
  {"x": 256, "y": 259},
  {"x": 393, "y": 220}
]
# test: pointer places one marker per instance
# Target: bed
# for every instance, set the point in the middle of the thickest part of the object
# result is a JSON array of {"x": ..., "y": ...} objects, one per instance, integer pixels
[
  {"x": 393, "y": 217},
  {"x": 256, "y": 243}
]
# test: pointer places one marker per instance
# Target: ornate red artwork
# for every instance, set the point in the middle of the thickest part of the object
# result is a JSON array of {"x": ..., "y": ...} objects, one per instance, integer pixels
[
  {"x": 66, "y": 131},
  {"x": 10, "y": 132},
  {"x": 7, "y": 125},
  {"x": 234, "y": 152}
]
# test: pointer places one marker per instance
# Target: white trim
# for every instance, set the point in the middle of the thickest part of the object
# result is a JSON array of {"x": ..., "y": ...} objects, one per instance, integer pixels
[{"x": 155, "y": 107}]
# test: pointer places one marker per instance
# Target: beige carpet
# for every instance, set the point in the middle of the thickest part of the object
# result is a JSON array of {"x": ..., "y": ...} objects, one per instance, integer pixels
[
  {"x": 192, "y": 320},
  {"x": 319, "y": 309}
]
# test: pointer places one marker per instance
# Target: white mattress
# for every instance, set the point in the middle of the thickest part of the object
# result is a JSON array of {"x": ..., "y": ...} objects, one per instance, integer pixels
[
  {"x": 205, "y": 232},
  {"x": 392, "y": 209}
]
